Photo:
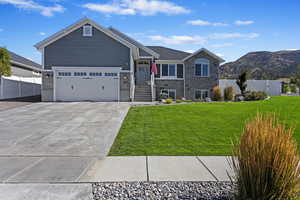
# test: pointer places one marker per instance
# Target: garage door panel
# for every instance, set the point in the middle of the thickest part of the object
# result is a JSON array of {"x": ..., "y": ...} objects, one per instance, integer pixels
[{"x": 78, "y": 88}]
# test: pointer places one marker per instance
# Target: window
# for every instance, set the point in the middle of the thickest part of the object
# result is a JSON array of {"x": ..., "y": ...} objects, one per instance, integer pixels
[
  {"x": 110, "y": 74},
  {"x": 170, "y": 93},
  {"x": 179, "y": 70},
  {"x": 202, "y": 67},
  {"x": 171, "y": 71},
  {"x": 87, "y": 30},
  {"x": 64, "y": 74},
  {"x": 95, "y": 74},
  {"x": 165, "y": 70},
  {"x": 80, "y": 74},
  {"x": 158, "y": 71},
  {"x": 201, "y": 94}
]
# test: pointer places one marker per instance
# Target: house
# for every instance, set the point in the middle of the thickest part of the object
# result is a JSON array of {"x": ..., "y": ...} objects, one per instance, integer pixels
[
  {"x": 86, "y": 61},
  {"x": 23, "y": 67},
  {"x": 25, "y": 79}
]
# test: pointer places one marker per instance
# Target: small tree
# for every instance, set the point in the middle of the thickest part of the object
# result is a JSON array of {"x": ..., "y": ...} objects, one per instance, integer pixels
[
  {"x": 5, "y": 69},
  {"x": 241, "y": 82},
  {"x": 296, "y": 78}
]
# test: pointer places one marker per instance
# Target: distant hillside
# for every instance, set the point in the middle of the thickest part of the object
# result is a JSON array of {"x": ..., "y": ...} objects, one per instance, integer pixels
[{"x": 264, "y": 65}]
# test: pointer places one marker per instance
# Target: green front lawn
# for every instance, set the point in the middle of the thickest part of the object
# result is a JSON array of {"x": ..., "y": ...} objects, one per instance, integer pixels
[{"x": 196, "y": 128}]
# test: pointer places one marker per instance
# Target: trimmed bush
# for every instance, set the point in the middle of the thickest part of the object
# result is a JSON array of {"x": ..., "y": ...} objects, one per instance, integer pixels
[
  {"x": 286, "y": 88},
  {"x": 216, "y": 94},
  {"x": 228, "y": 94},
  {"x": 265, "y": 161},
  {"x": 169, "y": 101},
  {"x": 179, "y": 101},
  {"x": 293, "y": 88},
  {"x": 255, "y": 96}
]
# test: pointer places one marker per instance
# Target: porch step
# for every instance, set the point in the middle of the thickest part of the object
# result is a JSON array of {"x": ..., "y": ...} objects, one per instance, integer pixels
[{"x": 142, "y": 93}]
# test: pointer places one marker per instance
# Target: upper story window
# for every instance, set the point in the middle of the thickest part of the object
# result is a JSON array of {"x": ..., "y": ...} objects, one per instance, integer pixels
[
  {"x": 202, "y": 67},
  {"x": 169, "y": 71},
  {"x": 80, "y": 73},
  {"x": 64, "y": 74},
  {"x": 87, "y": 31}
]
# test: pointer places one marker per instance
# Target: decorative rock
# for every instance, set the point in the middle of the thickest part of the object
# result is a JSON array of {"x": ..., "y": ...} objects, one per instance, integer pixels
[{"x": 163, "y": 190}]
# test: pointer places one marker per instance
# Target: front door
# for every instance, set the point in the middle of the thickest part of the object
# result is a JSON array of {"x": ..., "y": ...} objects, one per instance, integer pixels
[{"x": 143, "y": 74}]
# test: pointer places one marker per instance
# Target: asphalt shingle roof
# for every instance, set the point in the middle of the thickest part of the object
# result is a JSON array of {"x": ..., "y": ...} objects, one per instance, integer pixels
[
  {"x": 169, "y": 54},
  {"x": 22, "y": 60}
]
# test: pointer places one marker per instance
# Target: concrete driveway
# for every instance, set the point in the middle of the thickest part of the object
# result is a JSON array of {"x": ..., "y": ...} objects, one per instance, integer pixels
[{"x": 56, "y": 142}]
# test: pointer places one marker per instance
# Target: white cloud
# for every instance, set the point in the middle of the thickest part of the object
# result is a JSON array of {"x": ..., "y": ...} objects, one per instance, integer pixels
[
  {"x": 220, "y": 55},
  {"x": 240, "y": 22},
  {"x": 178, "y": 39},
  {"x": 190, "y": 51},
  {"x": 200, "y": 22},
  {"x": 233, "y": 35},
  {"x": 31, "y": 5},
  {"x": 133, "y": 7},
  {"x": 292, "y": 49},
  {"x": 42, "y": 33},
  {"x": 226, "y": 44}
]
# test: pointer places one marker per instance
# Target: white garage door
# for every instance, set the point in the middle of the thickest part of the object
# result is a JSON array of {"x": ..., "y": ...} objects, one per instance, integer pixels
[{"x": 86, "y": 85}]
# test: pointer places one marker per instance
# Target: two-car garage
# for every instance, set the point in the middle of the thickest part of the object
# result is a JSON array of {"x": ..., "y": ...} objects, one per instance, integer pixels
[{"x": 86, "y": 83}]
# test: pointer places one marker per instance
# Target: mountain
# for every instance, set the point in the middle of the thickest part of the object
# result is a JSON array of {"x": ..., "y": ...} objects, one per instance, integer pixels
[{"x": 264, "y": 65}]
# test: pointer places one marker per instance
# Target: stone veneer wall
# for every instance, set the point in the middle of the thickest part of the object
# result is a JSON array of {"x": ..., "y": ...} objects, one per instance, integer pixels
[
  {"x": 125, "y": 86},
  {"x": 192, "y": 82},
  {"x": 47, "y": 86},
  {"x": 169, "y": 84}
]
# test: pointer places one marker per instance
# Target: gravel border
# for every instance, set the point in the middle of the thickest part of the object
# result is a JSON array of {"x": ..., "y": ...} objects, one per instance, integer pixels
[{"x": 163, "y": 190}]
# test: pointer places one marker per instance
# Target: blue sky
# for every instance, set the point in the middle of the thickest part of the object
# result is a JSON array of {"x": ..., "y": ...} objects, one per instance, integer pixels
[{"x": 229, "y": 28}]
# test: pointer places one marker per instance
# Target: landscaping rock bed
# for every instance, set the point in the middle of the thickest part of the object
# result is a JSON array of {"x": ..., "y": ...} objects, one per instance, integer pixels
[{"x": 163, "y": 190}]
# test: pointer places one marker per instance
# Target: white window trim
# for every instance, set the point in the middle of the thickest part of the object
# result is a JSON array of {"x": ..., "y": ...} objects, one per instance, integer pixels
[
  {"x": 170, "y": 77},
  {"x": 201, "y": 70},
  {"x": 201, "y": 92},
  {"x": 84, "y": 34},
  {"x": 174, "y": 90}
]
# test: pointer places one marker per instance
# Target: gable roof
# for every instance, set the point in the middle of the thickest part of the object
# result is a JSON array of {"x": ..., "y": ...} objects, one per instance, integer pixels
[
  {"x": 206, "y": 51},
  {"x": 142, "y": 48},
  {"x": 168, "y": 53},
  {"x": 77, "y": 25},
  {"x": 24, "y": 62}
]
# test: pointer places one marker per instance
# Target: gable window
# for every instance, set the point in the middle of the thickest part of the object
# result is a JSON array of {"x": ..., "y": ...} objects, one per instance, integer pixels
[
  {"x": 87, "y": 31},
  {"x": 170, "y": 93},
  {"x": 201, "y": 94},
  {"x": 202, "y": 67}
]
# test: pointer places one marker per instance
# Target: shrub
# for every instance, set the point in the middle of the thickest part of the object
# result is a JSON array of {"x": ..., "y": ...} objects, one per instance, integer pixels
[
  {"x": 254, "y": 96},
  {"x": 265, "y": 161},
  {"x": 293, "y": 88},
  {"x": 286, "y": 88},
  {"x": 242, "y": 82},
  {"x": 228, "y": 94},
  {"x": 169, "y": 100},
  {"x": 216, "y": 94},
  {"x": 178, "y": 101}
]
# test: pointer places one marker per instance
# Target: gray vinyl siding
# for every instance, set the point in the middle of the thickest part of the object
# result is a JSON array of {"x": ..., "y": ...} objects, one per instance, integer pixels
[
  {"x": 22, "y": 72},
  {"x": 99, "y": 50},
  {"x": 192, "y": 82},
  {"x": 170, "y": 84},
  {"x": 125, "y": 86}
]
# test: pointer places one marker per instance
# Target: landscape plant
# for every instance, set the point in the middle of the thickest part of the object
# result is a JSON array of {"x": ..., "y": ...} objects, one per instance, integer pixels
[
  {"x": 228, "y": 93},
  {"x": 216, "y": 94},
  {"x": 255, "y": 95},
  {"x": 242, "y": 82},
  {"x": 169, "y": 100},
  {"x": 265, "y": 161},
  {"x": 5, "y": 69},
  {"x": 296, "y": 78}
]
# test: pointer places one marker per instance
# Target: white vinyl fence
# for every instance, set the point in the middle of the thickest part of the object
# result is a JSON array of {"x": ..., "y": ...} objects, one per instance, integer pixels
[
  {"x": 271, "y": 87},
  {"x": 14, "y": 87}
]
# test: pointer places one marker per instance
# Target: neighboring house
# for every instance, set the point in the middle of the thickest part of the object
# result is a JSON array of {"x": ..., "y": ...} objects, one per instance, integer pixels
[
  {"x": 25, "y": 79},
  {"x": 23, "y": 67},
  {"x": 86, "y": 61}
]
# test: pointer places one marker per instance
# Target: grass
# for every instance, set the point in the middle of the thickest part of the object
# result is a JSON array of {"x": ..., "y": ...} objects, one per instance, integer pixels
[{"x": 196, "y": 128}]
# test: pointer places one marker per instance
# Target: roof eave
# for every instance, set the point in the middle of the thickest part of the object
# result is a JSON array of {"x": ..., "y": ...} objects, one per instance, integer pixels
[{"x": 206, "y": 51}]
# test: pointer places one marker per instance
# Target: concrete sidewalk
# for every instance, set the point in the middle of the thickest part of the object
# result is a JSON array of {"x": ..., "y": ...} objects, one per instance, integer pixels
[{"x": 159, "y": 168}]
